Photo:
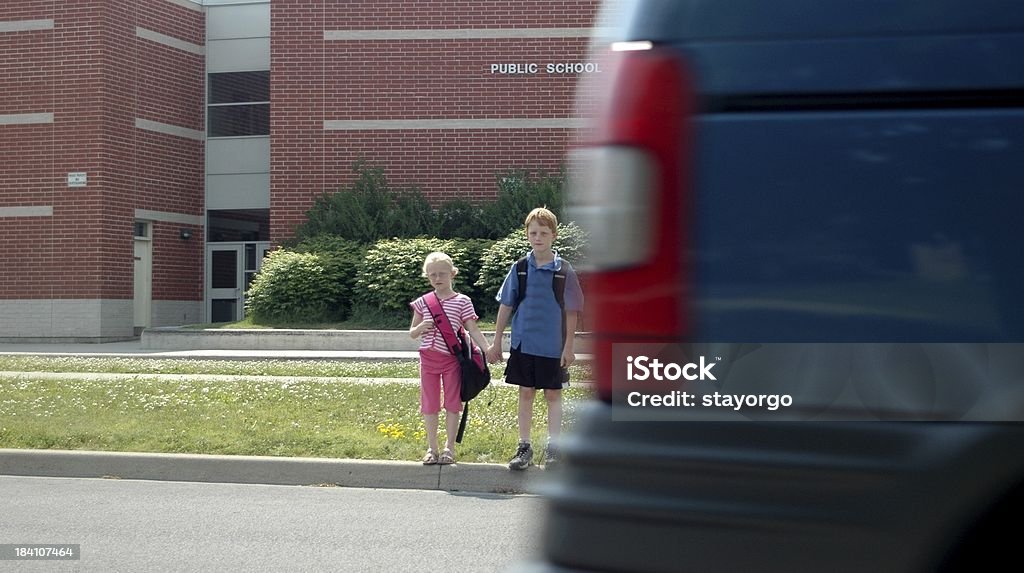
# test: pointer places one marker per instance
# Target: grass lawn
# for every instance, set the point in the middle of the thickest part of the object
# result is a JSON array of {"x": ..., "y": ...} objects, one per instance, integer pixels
[
  {"x": 333, "y": 419},
  {"x": 319, "y": 368}
]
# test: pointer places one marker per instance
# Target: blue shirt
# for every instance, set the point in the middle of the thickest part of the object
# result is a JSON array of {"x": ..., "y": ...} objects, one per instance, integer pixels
[{"x": 537, "y": 324}]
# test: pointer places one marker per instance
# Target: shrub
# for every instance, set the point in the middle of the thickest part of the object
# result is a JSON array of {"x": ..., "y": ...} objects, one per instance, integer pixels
[
  {"x": 341, "y": 259},
  {"x": 468, "y": 257},
  {"x": 458, "y": 218},
  {"x": 292, "y": 287},
  {"x": 410, "y": 216},
  {"x": 369, "y": 210},
  {"x": 500, "y": 256},
  {"x": 520, "y": 192},
  {"x": 392, "y": 273}
]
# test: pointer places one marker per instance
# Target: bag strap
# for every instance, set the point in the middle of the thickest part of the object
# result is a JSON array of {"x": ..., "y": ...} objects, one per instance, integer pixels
[
  {"x": 462, "y": 423},
  {"x": 442, "y": 323}
]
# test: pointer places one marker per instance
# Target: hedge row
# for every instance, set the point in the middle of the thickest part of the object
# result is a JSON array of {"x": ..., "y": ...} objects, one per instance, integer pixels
[
  {"x": 322, "y": 279},
  {"x": 371, "y": 208}
]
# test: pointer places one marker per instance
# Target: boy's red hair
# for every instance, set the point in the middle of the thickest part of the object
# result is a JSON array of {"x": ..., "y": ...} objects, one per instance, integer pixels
[{"x": 543, "y": 216}]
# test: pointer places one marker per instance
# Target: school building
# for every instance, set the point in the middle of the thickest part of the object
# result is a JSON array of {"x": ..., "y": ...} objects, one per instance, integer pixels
[{"x": 151, "y": 151}]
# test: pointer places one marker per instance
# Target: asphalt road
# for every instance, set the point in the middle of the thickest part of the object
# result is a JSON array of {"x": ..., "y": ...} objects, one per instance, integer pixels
[{"x": 129, "y": 525}]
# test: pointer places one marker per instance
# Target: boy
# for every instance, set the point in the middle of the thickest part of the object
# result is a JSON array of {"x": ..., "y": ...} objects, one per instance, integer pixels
[{"x": 539, "y": 351}]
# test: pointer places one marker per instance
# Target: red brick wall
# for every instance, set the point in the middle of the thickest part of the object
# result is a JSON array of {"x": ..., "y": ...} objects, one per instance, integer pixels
[
  {"x": 26, "y": 166},
  {"x": 336, "y": 80},
  {"x": 170, "y": 84},
  {"x": 96, "y": 76},
  {"x": 296, "y": 111}
]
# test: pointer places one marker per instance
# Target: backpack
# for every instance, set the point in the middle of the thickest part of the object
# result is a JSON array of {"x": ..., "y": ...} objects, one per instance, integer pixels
[
  {"x": 472, "y": 365},
  {"x": 557, "y": 285}
]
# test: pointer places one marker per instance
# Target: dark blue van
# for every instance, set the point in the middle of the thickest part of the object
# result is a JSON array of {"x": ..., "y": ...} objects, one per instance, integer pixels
[{"x": 845, "y": 174}]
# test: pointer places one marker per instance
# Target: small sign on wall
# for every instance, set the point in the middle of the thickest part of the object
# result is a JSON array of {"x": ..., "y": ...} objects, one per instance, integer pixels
[{"x": 77, "y": 179}]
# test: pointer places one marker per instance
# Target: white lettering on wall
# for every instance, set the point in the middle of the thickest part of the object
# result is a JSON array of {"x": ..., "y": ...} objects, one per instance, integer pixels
[{"x": 552, "y": 68}]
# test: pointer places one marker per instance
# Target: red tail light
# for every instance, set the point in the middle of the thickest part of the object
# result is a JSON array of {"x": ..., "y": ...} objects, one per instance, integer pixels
[{"x": 630, "y": 190}]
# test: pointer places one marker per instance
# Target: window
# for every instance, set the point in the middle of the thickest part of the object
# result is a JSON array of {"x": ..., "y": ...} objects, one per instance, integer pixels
[
  {"x": 238, "y": 104},
  {"x": 238, "y": 225}
]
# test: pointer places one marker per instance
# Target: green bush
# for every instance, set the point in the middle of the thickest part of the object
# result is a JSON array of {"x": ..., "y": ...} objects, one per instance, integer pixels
[
  {"x": 411, "y": 216},
  {"x": 292, "y": 287},
  {"x": 468, "y": 258},
  {"x": 498, "y": 259},
  {"x": 392, "y": 272},
  {"x": 341, "y": 259},
  {"x": 369, "y": 210},
  {"x": 520, "y": 192},
  {"x": 458, "y": 218},
  {"x": 391, "y": 275}
]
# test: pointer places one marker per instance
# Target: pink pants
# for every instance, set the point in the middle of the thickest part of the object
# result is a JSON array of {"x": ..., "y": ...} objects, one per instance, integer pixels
[{"x": 436, "y": 367}]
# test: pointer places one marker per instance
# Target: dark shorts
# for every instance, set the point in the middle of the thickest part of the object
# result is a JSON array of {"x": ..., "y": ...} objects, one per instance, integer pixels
[{"x": 532, "y": 371}]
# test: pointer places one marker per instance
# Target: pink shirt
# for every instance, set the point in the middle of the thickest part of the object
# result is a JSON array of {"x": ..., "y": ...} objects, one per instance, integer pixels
[{"x": 458, "y": 309}]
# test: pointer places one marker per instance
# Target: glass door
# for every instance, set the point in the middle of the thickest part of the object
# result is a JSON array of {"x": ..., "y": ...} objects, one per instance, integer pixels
[
  {"x": 224, "y": 282},
  {"x": 230, "y": 269}
]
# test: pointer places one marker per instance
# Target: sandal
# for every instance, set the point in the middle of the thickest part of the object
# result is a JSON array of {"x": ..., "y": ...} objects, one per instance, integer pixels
[
  {"x": 430, "y": 458},
  {"x": 447, "y": 457}
]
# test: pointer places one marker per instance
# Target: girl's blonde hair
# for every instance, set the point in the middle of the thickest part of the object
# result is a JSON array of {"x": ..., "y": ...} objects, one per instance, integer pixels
[
  {"x": 439, "y": 257},
  {"x": 543, "y": 216}
]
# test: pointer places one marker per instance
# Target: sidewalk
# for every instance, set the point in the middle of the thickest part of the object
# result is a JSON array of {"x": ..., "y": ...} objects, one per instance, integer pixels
[
  {"x": 468, "y": 477},
  {"x": 134, "y": 349}
]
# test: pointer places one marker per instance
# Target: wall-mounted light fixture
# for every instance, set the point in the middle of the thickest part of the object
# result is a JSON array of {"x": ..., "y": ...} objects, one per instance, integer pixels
[{"x": 186, "y": 234}]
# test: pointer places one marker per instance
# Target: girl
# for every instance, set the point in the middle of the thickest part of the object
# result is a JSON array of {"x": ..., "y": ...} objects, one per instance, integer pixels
[{"x": 437, "y": 363}]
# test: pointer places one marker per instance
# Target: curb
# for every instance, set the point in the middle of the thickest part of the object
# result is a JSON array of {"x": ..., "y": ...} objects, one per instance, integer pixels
[
  {"x": 176, "y": 338},
  {"x": 268, "y": 470}
]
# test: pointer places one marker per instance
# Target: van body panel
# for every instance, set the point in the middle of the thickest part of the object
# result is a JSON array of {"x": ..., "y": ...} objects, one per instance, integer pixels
[{"x": 915, "y": 242}]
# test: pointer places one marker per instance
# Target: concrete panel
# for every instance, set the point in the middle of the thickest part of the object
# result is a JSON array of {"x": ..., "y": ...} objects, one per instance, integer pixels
[
  {"x": 176, "y": 312},
  {"x": 168, "y": 217},
  {"x": 238, "y": 191},
  {"x": 25, "y": 318},
  {"x": 242, "y": 21},
  {"x": 283, "y": 339},
  {"x": 66, "y": 319},
  {"x": 295, "y": 339},
  {"x": 245, "y": 55},
  {"x": 26, "y": 118},
  {"x": 34, "y": 211},
  {"x": 169, "y": 41},
  {"x": 238, "y": 155}
]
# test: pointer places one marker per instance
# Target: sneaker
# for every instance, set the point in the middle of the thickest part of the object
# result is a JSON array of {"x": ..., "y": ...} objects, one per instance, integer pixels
[
  {"x": 551, "y": 457},
  {"x": 523, "y": 457}
]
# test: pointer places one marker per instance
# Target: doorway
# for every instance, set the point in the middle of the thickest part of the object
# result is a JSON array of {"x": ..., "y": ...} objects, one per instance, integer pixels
[
  {"x": 143, "y": 277},
  {"x": 230, "y": 269}
]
